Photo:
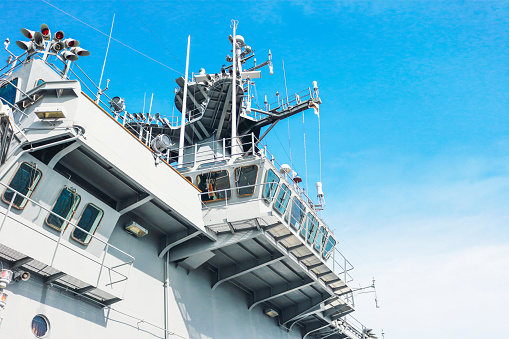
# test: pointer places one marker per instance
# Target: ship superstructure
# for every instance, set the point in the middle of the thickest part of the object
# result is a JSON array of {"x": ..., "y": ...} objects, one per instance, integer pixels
[{"x": 137, "y": 225}]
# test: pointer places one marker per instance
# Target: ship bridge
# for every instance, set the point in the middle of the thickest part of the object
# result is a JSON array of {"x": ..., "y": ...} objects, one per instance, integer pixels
[{"x": 270, "y": 240}]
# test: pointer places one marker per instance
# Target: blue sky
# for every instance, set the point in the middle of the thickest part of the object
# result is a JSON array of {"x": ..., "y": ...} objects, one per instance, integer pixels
[{"x": 415, "y": 122}]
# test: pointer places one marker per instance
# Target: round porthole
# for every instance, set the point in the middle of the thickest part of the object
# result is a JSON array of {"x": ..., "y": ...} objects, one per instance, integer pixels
[{"x": 40, "y": 326}]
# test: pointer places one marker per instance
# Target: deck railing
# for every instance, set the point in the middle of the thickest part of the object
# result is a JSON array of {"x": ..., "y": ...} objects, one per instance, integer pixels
[{"x": 123, "y": 276}]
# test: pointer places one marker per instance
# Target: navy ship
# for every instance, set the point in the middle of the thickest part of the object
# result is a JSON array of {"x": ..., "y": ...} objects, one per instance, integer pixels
[{"x": 115, "y": 224}]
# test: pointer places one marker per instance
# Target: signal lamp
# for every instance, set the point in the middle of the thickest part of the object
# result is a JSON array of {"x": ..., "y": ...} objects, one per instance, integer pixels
[
  {"x": 26, "y": 45},
  {"x": 27, "y": 33},
  {"x": 161, "y": 143},
  {"x": 3, "y": 299},
  {"x": 5, "y": 278},
  {"x": 45, "y": 32},
  {"x": 118, "y": 104},
  {"x": 67, "y": 55},
  {"x": 71, "y": 43},
  {"x": 80, "y": 51},
  {"x": 58, "y": 36}
]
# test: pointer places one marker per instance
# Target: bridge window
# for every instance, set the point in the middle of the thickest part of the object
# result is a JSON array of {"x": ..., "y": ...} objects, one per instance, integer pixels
[
  {"x": 214, "y": 185},
  {"x": 245, "y": 179},
  {"x": 89, "y": 221},
  {"x": 24, "y": 181},
  {"x": 311, "y": 228},
  {"x": 320, "y": 238},
  {"x": 329, "y": 246},
  {"x": 297, "y": 214},
  {"x": 8, "y": 92},
  {"x": 39, "y": 82},
  {"x": 271, "y": 185},
  {"x": 282, "y": 199},
  {"x": 65, "y": 206},
  {"x": 189, "y": 179}
]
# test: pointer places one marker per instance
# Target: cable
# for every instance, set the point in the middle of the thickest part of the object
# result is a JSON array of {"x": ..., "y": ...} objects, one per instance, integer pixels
[
  {"x": 320, "y": 146},
  {"x": 162, "y": 44},
  {"x": 289, "y": 137},
  {"x": 305, "y": 152},
  {"x": 120, "y": 42}
]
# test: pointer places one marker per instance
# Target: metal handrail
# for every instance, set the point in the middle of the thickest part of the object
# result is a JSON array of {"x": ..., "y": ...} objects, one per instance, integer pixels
[
  {"x": 107, "y": 245},
  {"x": 345, "y": 266}
]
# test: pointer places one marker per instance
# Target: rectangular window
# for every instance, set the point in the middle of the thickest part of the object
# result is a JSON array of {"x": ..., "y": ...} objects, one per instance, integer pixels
[
  {"x": 245, "y": 179},
  {"x": 214, "y": 185},
  {"x": 8, "y": 92},
  {"x": 24, "y": 181},
  {"x": 320, "y": 238},
  {"x": 311, "y": 227},
  {"x": 282, "y": 199},
  {"x": 271, "y": 185},
  {"x": 297, "y": 214},
  {"x": 89, "y": 221},
  {"x": 65, "y": 206},
  {"x": 329, "y": 246}
]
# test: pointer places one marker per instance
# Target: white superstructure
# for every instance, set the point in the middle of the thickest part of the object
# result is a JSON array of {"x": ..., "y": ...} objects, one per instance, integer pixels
[{"x": 122, "y": 238}]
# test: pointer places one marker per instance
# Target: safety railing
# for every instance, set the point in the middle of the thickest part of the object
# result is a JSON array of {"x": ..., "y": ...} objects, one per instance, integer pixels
[
  {"x": 335, "y": 260},
  {"x": 123, "y": 276},
  {"x": 353, "y": 326}
]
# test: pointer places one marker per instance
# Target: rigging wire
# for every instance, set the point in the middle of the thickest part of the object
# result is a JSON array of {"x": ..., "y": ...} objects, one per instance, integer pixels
[
  {"x": 305, "y": 152},
  {"x": 155, "y": 36},
  {"x": 288, "y": 120},
  {"x": 320, "y": 146},
  {"x": 120, "y": 42}
]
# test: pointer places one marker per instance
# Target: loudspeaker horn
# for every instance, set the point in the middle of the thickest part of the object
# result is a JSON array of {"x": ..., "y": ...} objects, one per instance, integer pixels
[
  {"x": 25, "y": 276},
  {"x": 27, "y": 33},
  {"x": 67, "y": 55}
]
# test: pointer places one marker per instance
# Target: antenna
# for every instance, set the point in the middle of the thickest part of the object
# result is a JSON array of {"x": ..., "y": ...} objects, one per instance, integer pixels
[
  {"x": 373, "y": 291},
  {"x": 99, "y": 92}
]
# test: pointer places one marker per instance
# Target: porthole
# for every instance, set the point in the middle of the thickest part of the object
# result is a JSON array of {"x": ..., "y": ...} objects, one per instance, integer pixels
[{"x": 40, "y": 326}]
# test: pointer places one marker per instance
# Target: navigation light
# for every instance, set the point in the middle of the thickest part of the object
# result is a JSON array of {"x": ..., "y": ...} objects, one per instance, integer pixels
[
  {"x": 46, "y": 34},
  {"x": 71, "y": 43},
  {"x": 58, "y": 36},
  {"x": 5, "y": 278}
]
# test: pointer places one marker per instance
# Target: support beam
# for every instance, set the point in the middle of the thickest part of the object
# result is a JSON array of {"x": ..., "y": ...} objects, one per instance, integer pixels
[
  {"x": 178, "y": 238},
  {"x": 268, "y": 227},
  {"x": 195, "y": 130},
  {"x": 281, "y": 237},
  {"x": 333, "y": 281},
  {"x": 319, "y": 275},
  {"x": 293, "y": 248},
  {"x": 135, "y": 202},
  {"x": 49, "y": 279},
  {"x": 85, "y": 289},
  {"x": 266, "y": 294},
  {"x": 223, "y": 114},
  {"x": 234, "y": 271},
  {"x": 306, "y": 256},
  {"x": 196, "y": 246},
  {"x": 20, "y": 262},
  {"x": 310, "y": 267},
  {"x": 342, "y": 314},
  {"x": 199, "y": 123},
  {"x": 294, "y": 312},
  {"x": 56, "y": 158}
]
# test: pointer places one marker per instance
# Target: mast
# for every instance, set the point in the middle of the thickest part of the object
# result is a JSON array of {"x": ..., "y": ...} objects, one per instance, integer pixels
[
  {"x": 184, "y": 108},
  {"x": 236, "y": 50}
]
